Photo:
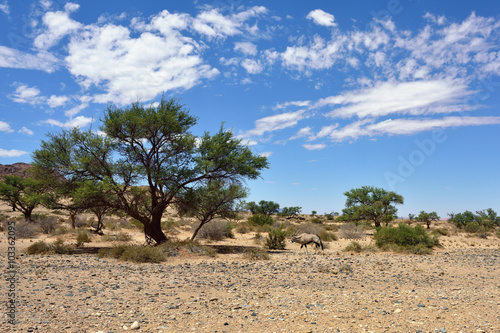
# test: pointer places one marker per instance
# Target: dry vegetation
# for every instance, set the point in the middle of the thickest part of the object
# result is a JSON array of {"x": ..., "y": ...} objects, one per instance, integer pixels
[{"x": 350, "y": 253}]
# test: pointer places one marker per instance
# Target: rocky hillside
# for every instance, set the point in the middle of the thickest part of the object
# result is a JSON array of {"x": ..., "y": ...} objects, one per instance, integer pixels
[{"x": 14, "y": 169}]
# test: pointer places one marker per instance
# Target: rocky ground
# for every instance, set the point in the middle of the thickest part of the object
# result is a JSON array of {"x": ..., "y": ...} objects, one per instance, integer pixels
[{"x": 455, "y": 290}]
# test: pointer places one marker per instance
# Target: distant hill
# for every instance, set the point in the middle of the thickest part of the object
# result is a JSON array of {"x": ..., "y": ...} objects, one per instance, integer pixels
[{"x": 18, "y": 169}]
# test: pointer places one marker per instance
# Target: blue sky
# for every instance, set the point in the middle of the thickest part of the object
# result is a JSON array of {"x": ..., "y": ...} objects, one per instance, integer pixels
[{"x": 402, "y": 95}]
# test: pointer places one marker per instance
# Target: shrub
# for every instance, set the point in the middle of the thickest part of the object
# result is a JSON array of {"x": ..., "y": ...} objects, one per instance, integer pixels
[
  {"x": 42, "y": 247},
  {"x": 135, "y": 253},
  {"x": 256, "y": 254},
  {"x": 47, "y": 224},
  {"x": 276, "y": 238},
  {"x": 261, "y": 220},
  {"x": 215, "y": 230},
  {"x": 60, "y": 248},
  {"x": 351, "y": 231},
  {"x": 25, "y": 230},
  {"x": 472, "y": 227},
  {"x": 39, "y": 247},
  {"x": 441, "y": 232},
  {"x": 316, "y": 220},
  {"x": 83, "y": 237},
  {"x": 354, "y": 247},
  {"x": 119, "y": 237},
  {"x": 195, "y": 248},
  {"x": 405, "y": 239}
]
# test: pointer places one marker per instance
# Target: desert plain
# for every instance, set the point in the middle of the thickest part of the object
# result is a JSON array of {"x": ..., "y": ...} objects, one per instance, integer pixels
[{"x": 454, "y": 289}]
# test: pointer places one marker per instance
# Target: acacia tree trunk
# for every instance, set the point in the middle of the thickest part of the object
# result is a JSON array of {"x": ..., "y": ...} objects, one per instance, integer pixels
[
  {"x": 153, "y": 230},
  {"x": 202, "y": 223}
]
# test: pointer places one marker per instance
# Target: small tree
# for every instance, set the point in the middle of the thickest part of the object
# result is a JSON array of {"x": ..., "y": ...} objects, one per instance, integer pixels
[
  {"x": 23, "y": 194},
  {"x": 371, "y": 204},
  {"x": 211, "y": 200},
  {"x": 263, "y": 207},
  {"x": 290, "y": 212},
  {"x": 427, "y": 218}
]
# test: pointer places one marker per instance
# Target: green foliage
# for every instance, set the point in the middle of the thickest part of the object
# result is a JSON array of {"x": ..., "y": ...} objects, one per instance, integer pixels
[
  {"x": 276, "y": 238},
  {"x": 205, "y": 202},
  {"x": 260, "y": 220},
  {"x": 427, "y": 218},
  {"x": 291, "y": 211},
  {"x": 371, "y": 204},
  {"x": 263, "y": 207},
  {"x": 256, "y": 254},
  {"x": 24, "y": 194},
  {"x": 405, "y": 239},
  {"x": 470, "y": 222},
  {"x": 150, "y": 144}
]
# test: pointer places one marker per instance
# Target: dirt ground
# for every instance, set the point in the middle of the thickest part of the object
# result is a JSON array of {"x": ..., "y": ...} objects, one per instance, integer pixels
[{"x": 455, "y": 289}]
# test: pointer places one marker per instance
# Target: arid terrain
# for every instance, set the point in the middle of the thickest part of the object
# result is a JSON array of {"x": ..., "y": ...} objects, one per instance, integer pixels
[{"x": 455, "y": 289}]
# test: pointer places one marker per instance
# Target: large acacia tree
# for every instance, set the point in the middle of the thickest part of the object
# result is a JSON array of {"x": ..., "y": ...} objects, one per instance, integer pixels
[
  {"x": 371, "y": 204},
  {"x": 146, "y": 158}
]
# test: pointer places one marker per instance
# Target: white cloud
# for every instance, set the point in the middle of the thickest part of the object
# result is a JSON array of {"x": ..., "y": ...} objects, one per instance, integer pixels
[
  {"x": 58, "y": 25},
  {"x": 293, "y": 103},
  {"x": 322, "y": 18},
  {"x": 318, "y": 146},
  {"x": 416, "y": 98},
  {"x": 5, "y": 127},
  {"x": 12, "y": 153},
  {"x": 274, "y": 123},
  {"x": 135, "y": 68},
  {"x": 368, "y": 128},
  {"x": 55, "y": 101},
  {"x": 252, "y": 66},
  {"x": 25, "y": 130},
  {"x": 266, "y": 154},
  {"x": 25, "y": 94},
  {"x": 246, "y": 48},
  {"x": 79, "y": 122},
  {"x": 11, "y": 58},
  {"x": 4, "y": 7},
  {"x": 213, "y": 24}
]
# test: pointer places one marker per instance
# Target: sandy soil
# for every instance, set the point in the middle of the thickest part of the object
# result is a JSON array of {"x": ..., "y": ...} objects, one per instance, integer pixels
[{"x": 456, "y": 289}]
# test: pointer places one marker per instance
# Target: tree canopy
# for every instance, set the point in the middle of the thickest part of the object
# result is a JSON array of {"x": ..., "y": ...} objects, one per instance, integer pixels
[
  {"x": 371, "y": 204},
  {"x": 146, "y": 158}
]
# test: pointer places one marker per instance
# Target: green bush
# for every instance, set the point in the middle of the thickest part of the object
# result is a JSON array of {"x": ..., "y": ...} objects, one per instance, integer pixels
[
  {"x": 276, "y": 238},
  {"x": 405, "y": 239},
  {"x": 261, "y": 220},
  {"x": 472, "y": 227}
]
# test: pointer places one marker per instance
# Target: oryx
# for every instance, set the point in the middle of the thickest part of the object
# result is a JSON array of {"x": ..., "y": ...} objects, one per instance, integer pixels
[{"x": 304, "y": 238}]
